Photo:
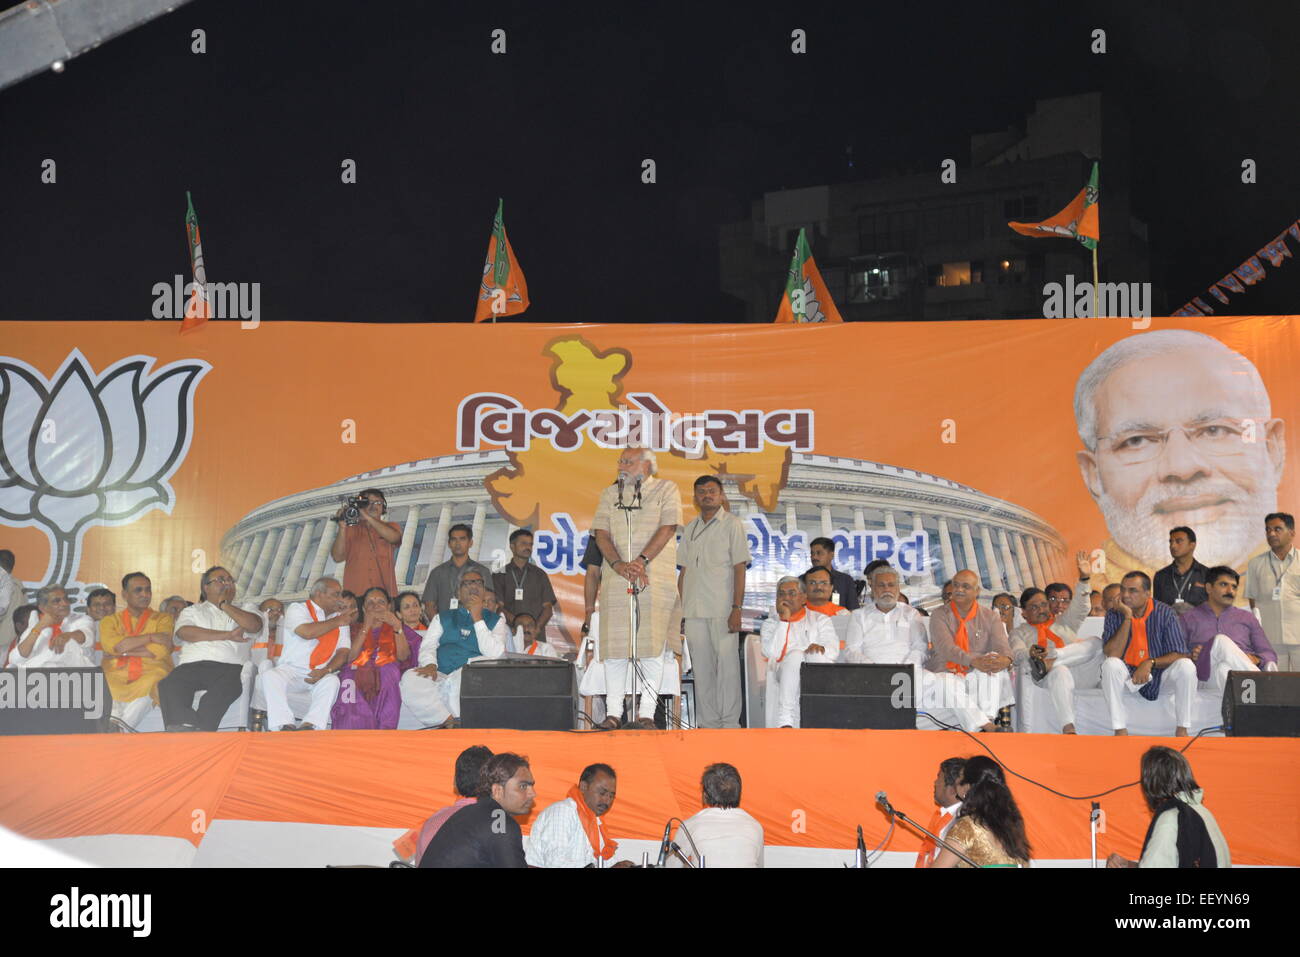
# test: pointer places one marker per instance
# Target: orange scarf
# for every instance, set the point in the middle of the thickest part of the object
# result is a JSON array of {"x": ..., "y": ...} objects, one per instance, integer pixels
[
  {"x": 1137, "y": 650},
  {"x": 790, "y": 621},
  {"x": 592, "y": 826},
  {"x": 1045, "y": 634},
  {"x": 961, "y": 639},
  {"x": 374, "y": 654},
  {"x": 134, "y": 664},
  {"x": 532, "y": 649},
  {"x": 929, "y": 850},
  {"x": 325, "y": 644},
  {"x": 830, "y": 609}
]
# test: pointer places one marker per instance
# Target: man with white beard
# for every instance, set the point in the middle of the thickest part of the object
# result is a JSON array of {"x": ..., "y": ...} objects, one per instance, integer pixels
[{"x": 1206, "y": 454}]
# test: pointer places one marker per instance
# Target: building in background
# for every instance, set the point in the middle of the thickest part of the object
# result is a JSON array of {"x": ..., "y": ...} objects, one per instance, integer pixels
[{"x": 914, "y": 248}]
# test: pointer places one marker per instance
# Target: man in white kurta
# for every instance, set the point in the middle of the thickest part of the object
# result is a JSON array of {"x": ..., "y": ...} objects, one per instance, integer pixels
[
  {"x": 54, "y": 636},
  {"x": 265, "y": 651},
  {"x": 1070, "y": 661},
  {"x": 639, "y": 547},
  {"x": 526, "y": 639},
  {"x": 794, "y": 636},
  {"x": 886, "y": 631},
  {"x": 456, "y": 636},
  {"x": 317, "y": 643},
  {"x": 571, "y": 832}
]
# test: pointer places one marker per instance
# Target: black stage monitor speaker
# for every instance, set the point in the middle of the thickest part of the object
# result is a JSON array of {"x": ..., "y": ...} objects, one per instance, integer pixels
[
  {"x": 54, "y": 701},
  {"x": 1262, "y": 704},
  {"x": 856, "y": 696},
  {"x": 526, "y": 694}
]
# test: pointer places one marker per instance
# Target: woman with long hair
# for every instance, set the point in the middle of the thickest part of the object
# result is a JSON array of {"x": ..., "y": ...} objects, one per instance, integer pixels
[
  {"x": 1183, "y": 832},
  {"x": 989, "y": 828},
  {"x": 383, "y": 647}
]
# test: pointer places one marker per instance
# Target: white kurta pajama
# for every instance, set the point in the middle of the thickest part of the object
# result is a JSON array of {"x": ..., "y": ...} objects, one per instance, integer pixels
[
  {"x": 290, "y": 675},
  {"x": 785, "y": 645},
  {"x": 75, "y": 654},
  {"x": 658, "y": 609},
  {"x": 1077, "y": 664},
  {"x": 431, "y": 701}
]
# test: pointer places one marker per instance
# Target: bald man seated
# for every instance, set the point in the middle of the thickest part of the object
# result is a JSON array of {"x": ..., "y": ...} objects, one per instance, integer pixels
[{"x": 970, "y": 658}]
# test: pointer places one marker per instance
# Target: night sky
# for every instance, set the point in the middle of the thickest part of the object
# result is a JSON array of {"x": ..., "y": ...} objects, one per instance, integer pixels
[{"x": 439, "y": 127}]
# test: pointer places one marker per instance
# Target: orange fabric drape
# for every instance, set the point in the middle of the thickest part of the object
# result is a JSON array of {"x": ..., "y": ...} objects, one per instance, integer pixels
[{"x": 68, "y": 785}]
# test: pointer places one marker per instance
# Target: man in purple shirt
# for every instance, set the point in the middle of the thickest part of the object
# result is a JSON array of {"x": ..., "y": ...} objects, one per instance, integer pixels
[
  {"x": 468, "y": 765},
  {"x": 1205, "y": 627}
]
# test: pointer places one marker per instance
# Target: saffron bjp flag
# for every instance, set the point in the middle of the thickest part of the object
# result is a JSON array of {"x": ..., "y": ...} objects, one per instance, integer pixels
[
  {"x": 806, "y": 298},
  {"x": 502, "y": 291},
  {"x": 1080, "y": 220},
  {"x": 196, "y": 310}
]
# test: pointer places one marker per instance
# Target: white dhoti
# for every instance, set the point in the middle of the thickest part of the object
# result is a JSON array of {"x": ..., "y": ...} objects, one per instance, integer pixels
[
  {"x": 132, "y": 713},
  {"x": 782, "y": 706},
  {"x": 431, "y": 701},
  {"x": 259, "y": 699},
  {"x": 1225, "y": 656},
  {"x": 1077, "y": 665},
  {"x": 971, "y": 700},
  {"x": 1178, "y": 679},
  {"x": 280, "y": 682}
]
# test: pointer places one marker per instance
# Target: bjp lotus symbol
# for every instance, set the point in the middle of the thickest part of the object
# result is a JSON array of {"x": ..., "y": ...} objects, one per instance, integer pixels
[{"x": 85, "y": 449}]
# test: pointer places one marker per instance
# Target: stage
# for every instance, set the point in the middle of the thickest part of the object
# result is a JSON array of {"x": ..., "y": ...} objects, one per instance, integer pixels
[{"x": 343, "y": 797}]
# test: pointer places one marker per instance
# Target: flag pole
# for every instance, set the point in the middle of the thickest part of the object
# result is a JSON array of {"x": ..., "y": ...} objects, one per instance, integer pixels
[{"x": 1094, "y": 280}]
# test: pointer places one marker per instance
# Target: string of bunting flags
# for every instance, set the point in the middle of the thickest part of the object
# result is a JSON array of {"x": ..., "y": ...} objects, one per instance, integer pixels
[{"x": 1247, "y": 274}]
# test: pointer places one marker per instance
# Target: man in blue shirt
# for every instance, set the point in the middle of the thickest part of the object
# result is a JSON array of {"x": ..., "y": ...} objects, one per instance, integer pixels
[{"x": 1144, "y": 650}]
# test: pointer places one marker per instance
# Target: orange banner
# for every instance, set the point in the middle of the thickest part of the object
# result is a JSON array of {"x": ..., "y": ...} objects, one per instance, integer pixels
[
  {"x": 1002, "y": 446},
  {"x": 796, "y": 783}
]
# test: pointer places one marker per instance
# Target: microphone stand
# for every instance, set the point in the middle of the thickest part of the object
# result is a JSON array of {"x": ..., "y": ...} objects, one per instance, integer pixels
[
  {"x": 1094, "y": 816},
  {"x": 627, "y": 508},
  {"x": 938, "y": 841}
]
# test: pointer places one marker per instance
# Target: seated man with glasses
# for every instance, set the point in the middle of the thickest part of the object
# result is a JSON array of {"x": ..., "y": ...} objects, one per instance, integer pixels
[
  {"x": 211, "y": 635},
  {"x": 456, "y": 636},
  {"x": 367, "y": 548}
]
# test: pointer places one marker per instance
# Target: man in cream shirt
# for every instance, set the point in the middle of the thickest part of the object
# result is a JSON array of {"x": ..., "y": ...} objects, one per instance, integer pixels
[
  {"x": 721, "y": 835},
  {"x": 213, "y": 636},
  {"x": 1273, "y": 587}
]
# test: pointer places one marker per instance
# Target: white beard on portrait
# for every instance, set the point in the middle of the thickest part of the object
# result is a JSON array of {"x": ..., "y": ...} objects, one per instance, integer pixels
[{"x": 1227, "y": 540}]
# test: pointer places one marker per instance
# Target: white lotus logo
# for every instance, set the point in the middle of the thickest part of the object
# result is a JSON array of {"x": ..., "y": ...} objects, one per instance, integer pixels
[{"x": 86, "y": 449}]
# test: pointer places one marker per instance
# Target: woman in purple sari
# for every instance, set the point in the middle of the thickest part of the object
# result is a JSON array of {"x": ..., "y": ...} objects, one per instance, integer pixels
[{"x": 382, "y": 648}]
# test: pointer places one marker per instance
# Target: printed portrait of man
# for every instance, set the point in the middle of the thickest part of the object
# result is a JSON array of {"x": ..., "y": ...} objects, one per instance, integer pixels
[{"x": 1178, "y": 429}]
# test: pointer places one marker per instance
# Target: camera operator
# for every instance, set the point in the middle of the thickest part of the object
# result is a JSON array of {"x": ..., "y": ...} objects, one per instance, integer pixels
[{"x": 366, "y": 544}]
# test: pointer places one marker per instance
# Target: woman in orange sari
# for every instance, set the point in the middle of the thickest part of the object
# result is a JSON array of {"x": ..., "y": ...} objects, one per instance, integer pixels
[{"x": 383, "y": 647}]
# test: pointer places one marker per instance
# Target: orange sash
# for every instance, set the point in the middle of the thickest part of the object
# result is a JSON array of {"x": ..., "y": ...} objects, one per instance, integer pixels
[
  {"x": 1137, "y": 650},
  {"x": 592, "y": 825},
  {"x": 134, "y": 664},
  {"x": 793, "y": 618},
  {"x": 325, "y": 644},
  {"x": 1045, "y": 634},
  {"x": 532, "y": 649},
  {"x": 384, "y": 650},
  {"x": 830, "y": 609},
  {"x": 929, "y": 850},
  {"x": 961, "y": 639}
]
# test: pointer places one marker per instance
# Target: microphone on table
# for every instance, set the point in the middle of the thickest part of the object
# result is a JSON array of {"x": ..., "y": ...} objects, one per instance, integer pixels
[
  {"x": 663, "y": 845},
  {"x": 883, "y": 800}
]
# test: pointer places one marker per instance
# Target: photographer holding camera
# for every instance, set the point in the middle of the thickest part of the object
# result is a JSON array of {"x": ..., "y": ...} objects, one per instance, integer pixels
[{"x": 366, "y": 544}]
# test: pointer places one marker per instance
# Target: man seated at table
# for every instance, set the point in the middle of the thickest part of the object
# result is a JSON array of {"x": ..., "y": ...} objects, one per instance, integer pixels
[
  {"x": 431, "y": 692},
  {"x": 947, "y": 802},
  {"x": 571, "y": 832},
  {"x": 1222, "y": 637},
  {"x": 54, "y": 637},
  {"x": 795, "y": 636},
  {"x": 1145, "y": 655},
  {"x": 969, "y": 658},
  {"x": 1048, "y": 646},
  {"x": 722, "y": 833},
  {"x": 317, "y": 644},
  {"x": 469, "y": 765},
  {"x": 485, "y": 833},
  {"x": 529, "y": 638},
  {"x": 137, "y": 652}
]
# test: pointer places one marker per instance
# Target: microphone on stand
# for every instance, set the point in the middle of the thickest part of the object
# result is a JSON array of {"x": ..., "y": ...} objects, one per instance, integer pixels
[
  {"x": 621, "y": 480},
  {"x": 636, "y": 491},
  {"x": 663, "y": 845},
  {"x": 883, "y": 800},
  {"x": 860, "y": 856}
]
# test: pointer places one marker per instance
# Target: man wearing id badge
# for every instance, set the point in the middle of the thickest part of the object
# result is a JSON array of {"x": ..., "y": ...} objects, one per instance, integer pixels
[
  {"x": 524, "y": 588},
  {"x": 1273, "y": 587}
]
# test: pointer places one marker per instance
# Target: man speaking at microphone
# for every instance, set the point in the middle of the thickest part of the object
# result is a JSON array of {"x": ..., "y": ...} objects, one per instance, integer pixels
[{"x": 639, "y": 547}]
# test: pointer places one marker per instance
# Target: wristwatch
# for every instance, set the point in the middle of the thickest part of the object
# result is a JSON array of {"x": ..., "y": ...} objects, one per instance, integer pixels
[{"x": 644, "y": 560}]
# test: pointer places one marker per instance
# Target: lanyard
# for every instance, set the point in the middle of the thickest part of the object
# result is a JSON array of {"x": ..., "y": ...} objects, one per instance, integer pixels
[
  {"x": 1282, "y": 566},
  {"x": 519, "y": 582},
  {"x": 1187, "y": 580},
  {"x": 701, "y": 529}
]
